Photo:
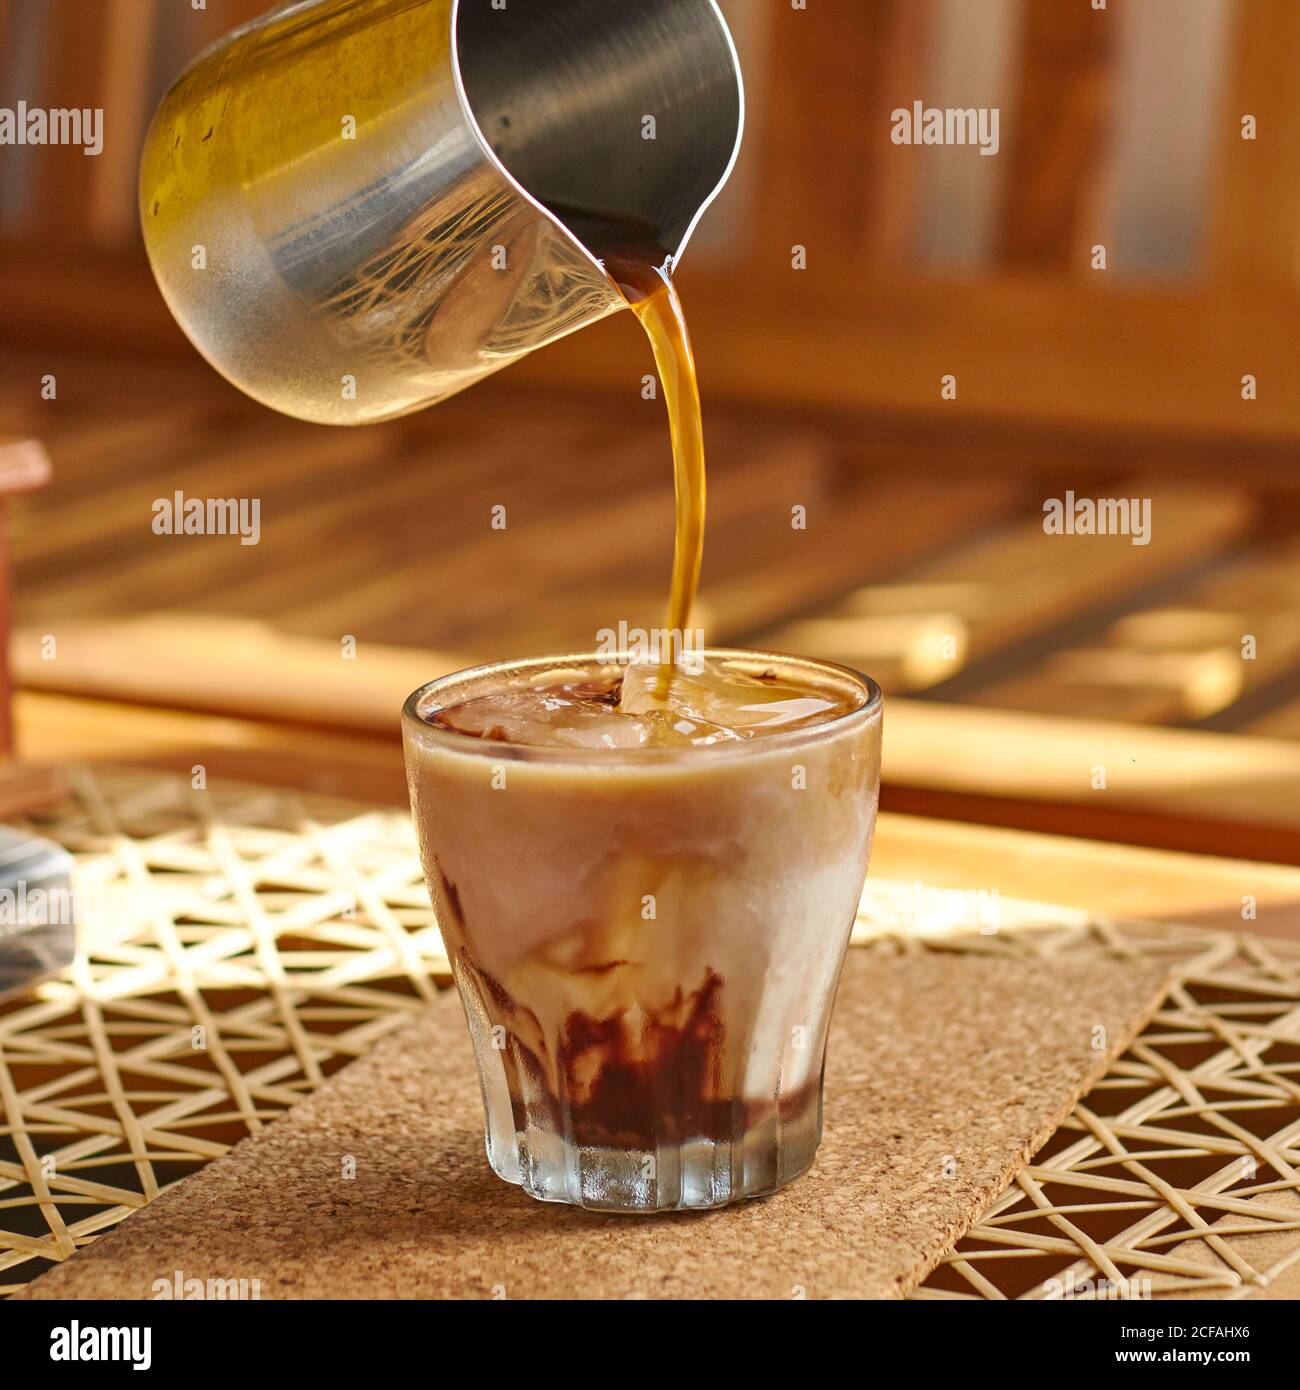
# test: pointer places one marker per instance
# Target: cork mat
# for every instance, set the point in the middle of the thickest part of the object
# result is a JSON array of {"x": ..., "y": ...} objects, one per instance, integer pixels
[{"x": 945, "y": 1073}]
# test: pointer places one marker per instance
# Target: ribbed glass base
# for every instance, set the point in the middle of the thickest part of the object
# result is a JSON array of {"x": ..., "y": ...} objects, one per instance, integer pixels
[{"x": 691, "y": 1174}]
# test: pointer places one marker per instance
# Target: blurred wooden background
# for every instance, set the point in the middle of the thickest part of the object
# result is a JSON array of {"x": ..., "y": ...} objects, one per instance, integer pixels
[
  {"x": 1120, "y": 128},
  {"x": 924, "y": 560}
]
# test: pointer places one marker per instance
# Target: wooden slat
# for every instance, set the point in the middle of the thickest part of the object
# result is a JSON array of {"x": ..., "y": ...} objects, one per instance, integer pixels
[
  {"x": 596, "y": 566},
  {"x": 1142, "y": 684},
  {"x": 93, "y": 376},
  {"x": 24, "y": 468},
  {"x": 99, "y": 451},
  {"x": 1045, "y": 761},
  {"x": 20, "y": 165},
  {"x": 567, "y": 527},
  {"x": 61, "y": 729},
  {"x": 1059, "y": 139},
  {"x": 99, "y": 390},
  {"x": 1256, "y": 225},
  {"x": 1008, "y": 587},
  {"x": 348, "y": 550},
  {"x": 1281, "y": 722},
  {"x": 339, "y": 508},
  {"x": 1160, "y": 187},
  {"x": 109, "y": 305},
  {"x": 1117, "y": 880},
  {"x": 352, "y": 548},
  {"x": 886, "y": 346},
  {"x": 101, "y": 54},
  {"x": 121, "y": 521},
  {"x": 228, "y": 666},
  {"x": 77, "y": 35},
  {"x": 897, "y": 63},
  {"x": 872, "y": 534},
  {"x": 351, "y": 521},
  {"x": 972, "y": 66},
  {"x": 757, "y": 566},
  {"x": 815, "y": 84},
  {"x": 886, "y": 343},
  {"x": 880, "y": 347},
  {"x": 432, "y": 566},
  {"x": 126, "y": 60},
  {"x": 837, "y": 70},
  {"x": 1182, "y": 660},
  {"x": 1240, "y": 794},
  {"x": 209, "y": 659},
  {"x": 403, "y": 569}
]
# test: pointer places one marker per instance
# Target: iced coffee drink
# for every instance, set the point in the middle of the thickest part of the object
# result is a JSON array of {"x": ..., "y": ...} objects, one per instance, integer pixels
[{"x": 646, "y": 902}]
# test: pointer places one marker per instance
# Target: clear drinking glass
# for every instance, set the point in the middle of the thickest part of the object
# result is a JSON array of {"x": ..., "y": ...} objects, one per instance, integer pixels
[{"x": 647, "y": 941}]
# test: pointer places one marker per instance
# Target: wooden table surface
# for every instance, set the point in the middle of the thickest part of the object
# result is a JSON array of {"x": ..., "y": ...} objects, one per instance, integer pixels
[
  {"x": 1109, "y": 881},
  {"x": 1115, "y": 879},
  {"x": 215, "y": 653},
  {"x": 1014, "y": 663}
]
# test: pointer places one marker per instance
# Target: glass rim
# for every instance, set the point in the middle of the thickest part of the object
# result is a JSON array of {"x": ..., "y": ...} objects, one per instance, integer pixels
[{"x": 416, "y": 726}]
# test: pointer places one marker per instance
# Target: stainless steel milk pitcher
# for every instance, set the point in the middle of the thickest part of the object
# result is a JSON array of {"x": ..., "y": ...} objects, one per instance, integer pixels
[{"x": 355, "y": 208}]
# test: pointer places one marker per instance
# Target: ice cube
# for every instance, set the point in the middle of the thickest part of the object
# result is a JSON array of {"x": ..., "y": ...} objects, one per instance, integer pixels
[
  {"x": 567, "y": 716},
  {"x": 724, "y": 702}
]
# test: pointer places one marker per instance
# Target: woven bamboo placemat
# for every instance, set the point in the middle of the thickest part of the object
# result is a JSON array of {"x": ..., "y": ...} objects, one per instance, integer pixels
[
  {"x": 248, "y": 942},
  {"x": 945, "y": 1073}
]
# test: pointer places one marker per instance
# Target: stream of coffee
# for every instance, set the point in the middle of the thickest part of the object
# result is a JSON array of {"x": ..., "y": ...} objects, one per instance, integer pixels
[
  {"x": 648, "y": 288},
  {"x": 636, "y": 260}
]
